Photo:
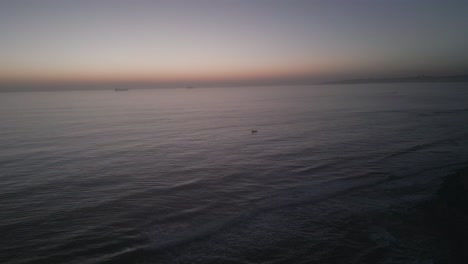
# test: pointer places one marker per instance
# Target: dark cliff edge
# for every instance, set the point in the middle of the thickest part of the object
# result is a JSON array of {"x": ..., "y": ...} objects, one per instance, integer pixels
[{"x": 450, "y": 208}]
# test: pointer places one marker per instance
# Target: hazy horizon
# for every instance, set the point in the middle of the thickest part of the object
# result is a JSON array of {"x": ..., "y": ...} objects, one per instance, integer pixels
[
  {"x": 318, "y": 131},
  {"x": 176, "y": 43}
]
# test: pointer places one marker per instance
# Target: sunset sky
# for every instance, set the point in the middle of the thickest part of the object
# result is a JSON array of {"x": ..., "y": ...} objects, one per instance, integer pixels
[{"x": 218, "y": 41}]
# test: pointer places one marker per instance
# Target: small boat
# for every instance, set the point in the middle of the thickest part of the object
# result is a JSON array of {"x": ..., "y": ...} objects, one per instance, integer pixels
[
  {"x": 120, "y": 89},
  {"x": 254, "y": 131}
]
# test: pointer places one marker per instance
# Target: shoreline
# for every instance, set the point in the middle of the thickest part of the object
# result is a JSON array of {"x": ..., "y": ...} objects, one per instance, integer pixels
[{"x": 450, "y": 210}]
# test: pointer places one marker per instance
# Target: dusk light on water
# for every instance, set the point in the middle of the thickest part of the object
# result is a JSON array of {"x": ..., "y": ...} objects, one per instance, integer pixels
[{"x": 217, "y": 131}]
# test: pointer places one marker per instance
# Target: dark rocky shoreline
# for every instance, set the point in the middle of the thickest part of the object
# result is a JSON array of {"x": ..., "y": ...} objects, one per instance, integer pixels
[{"x": 451, "y": 217}]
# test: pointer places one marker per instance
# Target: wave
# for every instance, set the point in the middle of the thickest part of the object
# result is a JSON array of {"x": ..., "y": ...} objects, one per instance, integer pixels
[{"x": 423, "y": 146}]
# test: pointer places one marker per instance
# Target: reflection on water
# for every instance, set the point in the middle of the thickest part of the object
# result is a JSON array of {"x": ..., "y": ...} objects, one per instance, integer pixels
[{"x": 173, "y": 175}]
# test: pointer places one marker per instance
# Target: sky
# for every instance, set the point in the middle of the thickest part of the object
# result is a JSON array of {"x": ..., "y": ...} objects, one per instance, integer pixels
[{"x": 229, "y": 41}]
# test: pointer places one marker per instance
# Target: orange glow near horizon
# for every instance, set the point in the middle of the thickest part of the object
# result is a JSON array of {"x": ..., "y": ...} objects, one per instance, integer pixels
[
  {"x": 225, "y": 41},
  {"x": 202, "y": 74}
]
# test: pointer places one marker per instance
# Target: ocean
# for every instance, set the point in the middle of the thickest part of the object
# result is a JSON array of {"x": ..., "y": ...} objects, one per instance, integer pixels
[{"x": 333, "y": 175}]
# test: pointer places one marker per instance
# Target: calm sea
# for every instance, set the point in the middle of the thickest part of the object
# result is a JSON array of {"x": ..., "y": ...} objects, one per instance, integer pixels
[{"x": 176, "y": 176}]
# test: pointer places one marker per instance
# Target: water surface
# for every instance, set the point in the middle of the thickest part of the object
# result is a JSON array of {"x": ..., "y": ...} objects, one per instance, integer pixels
[{"x": 176, "y": 176}]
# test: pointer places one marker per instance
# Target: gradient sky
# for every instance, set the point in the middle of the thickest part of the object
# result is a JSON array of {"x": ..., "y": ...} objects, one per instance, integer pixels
[{"x": 224, "y": 40}]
